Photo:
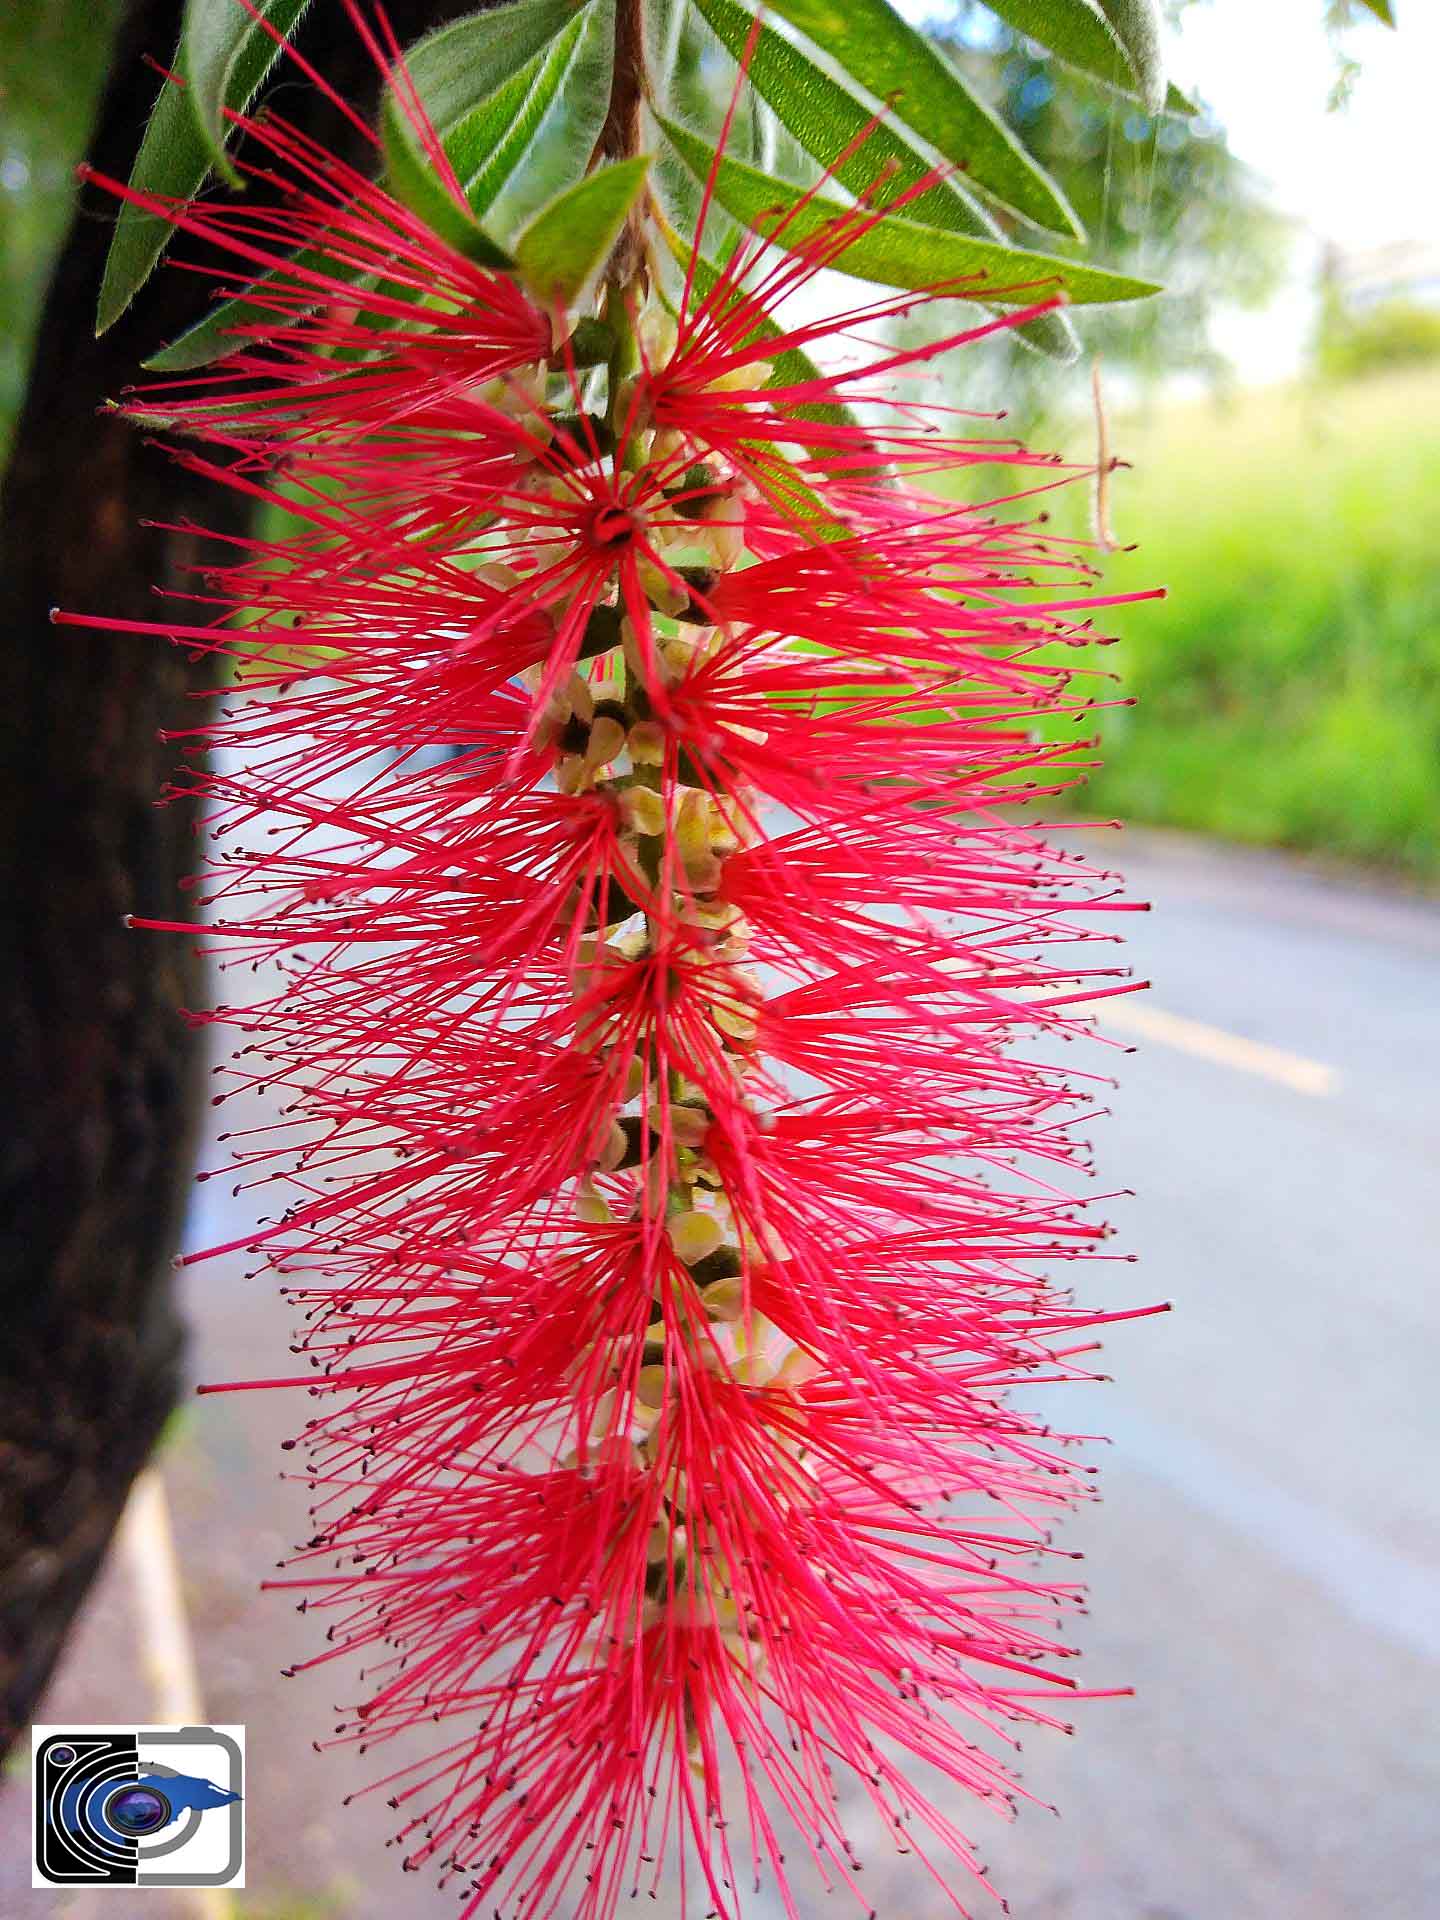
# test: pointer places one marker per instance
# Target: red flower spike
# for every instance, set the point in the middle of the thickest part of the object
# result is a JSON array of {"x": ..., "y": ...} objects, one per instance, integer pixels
[{"x": 674, "y": 1187}]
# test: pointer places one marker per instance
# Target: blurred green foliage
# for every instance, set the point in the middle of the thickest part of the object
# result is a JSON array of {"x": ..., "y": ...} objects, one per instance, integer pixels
[
  {"x": 53, "y": 55},
  {"x": 1289, "y": 688},
  {"x": 1380, "y": 339},
  {"x": 332, "y": 1904}
]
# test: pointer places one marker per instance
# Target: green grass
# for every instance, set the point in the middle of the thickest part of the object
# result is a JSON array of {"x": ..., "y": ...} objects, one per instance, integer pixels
[
  {"x": 1289, "y": 688},
  {"x": 333, "y": 1904}
]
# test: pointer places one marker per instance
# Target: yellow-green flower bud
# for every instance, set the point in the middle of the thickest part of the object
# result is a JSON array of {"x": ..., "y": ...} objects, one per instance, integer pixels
[
  {"x": 591, "y": 1207},
  {"x": 693, "y": 1235},
  {"x": 725, "y": 1299},
  {"x": 646, "y": 742},
  {"x": 643, "y": 811},
  {"x": 744, "y": 379},
  {"x": 606, "y": 742}
]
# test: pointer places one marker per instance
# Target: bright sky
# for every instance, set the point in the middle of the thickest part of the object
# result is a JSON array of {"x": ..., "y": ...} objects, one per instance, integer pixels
[{"x": 1363, "y": 176}]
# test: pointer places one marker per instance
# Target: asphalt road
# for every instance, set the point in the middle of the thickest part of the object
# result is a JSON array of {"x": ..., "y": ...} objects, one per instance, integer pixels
[{"x": 1265, "y": 1568}]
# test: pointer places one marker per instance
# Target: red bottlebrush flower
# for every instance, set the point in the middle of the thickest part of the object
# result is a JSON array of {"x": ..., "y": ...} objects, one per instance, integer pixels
[{"x": 673, "y": 1188}]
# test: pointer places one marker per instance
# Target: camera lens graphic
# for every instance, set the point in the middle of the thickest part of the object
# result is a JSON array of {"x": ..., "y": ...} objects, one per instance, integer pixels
[
  {"x": 148, "y": 1807},
  {"x": 135, "y": 1811}
]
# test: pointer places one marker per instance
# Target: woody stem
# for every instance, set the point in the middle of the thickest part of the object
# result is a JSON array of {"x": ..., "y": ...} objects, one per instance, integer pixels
[{"x": 620, "y": 135}]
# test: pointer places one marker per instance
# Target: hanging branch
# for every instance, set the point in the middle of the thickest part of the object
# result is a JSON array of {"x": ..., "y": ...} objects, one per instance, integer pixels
[{"x": 666, "y": 1210}]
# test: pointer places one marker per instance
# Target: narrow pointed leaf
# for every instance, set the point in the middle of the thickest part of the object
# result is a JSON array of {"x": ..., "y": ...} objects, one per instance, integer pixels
[
  {"x": 1075, "y": 31},
  {"x": 488, "y": 84},
  {"x": 788, "y": 491},
  {"x": 457, "y": 72},
  {"x": 213, "y": 337},
  {"x": 412, "y": 179},
  {"x": 790, "y": 366},
  {"x": 792, "y": 495},
  {"x": 565, "y": 246},
  {"x": 485, "y": 145},
  {"x": 827, "y": 119},
  {"x": 870, "y": 41},
  {"x": 1137, "y": 27},
  {"x": 174, "y": 159},
  {"x": 1080, "y": 33},
  {"x": 896, "y": 251},
  {"x": 225, "y": 53},
  {"x": 490, "y": 144},
  {"x": 1381, "y": 9}
]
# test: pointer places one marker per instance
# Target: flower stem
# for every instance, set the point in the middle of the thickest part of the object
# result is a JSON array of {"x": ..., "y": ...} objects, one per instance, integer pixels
[{"x": 619, "y": 137}]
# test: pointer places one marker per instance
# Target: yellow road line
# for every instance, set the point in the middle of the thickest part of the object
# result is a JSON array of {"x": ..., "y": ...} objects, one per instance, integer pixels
[
  {"x": 1126, "y": 1014},
  {"x": 146, "y": 1543}
]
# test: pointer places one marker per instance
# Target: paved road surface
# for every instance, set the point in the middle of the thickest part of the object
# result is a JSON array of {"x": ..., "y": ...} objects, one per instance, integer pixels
[{"x": 1264, "y": 1568}]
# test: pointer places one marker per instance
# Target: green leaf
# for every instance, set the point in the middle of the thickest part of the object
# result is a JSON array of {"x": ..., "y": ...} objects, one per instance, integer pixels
[
  {"x": 457, "y": 67},
  {"x": 789, "y": 492},
  {"x": 1381, "y": 9},
  {"x": 1117, "y": 41},
  {"x": 456, "y": 74},
  {"x": 592, "y": 344},
  {"x": 1052, "y": 335},
  {"x": 174, "y": 159},
  {"x": 213, "y": 337},
  {"x": 827, "y": 120},
  {"x": 488, "y": 84},
  {"x": 898, "y": 65},
  {"x": 1137, "y": 28},
  {"x": 488, "y": 145},
  {"x": 411, "y": 177},
  {"x": 225, "y": 53},
  {"x": 1075, "y": 31},
  {"x": 567, "y": 243},
  {"x": 488, "y": 141},
  {"x": 897, "y": 251},
  {"x": 172, "y": 163},
  {"x": 415, "y": 182}
]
